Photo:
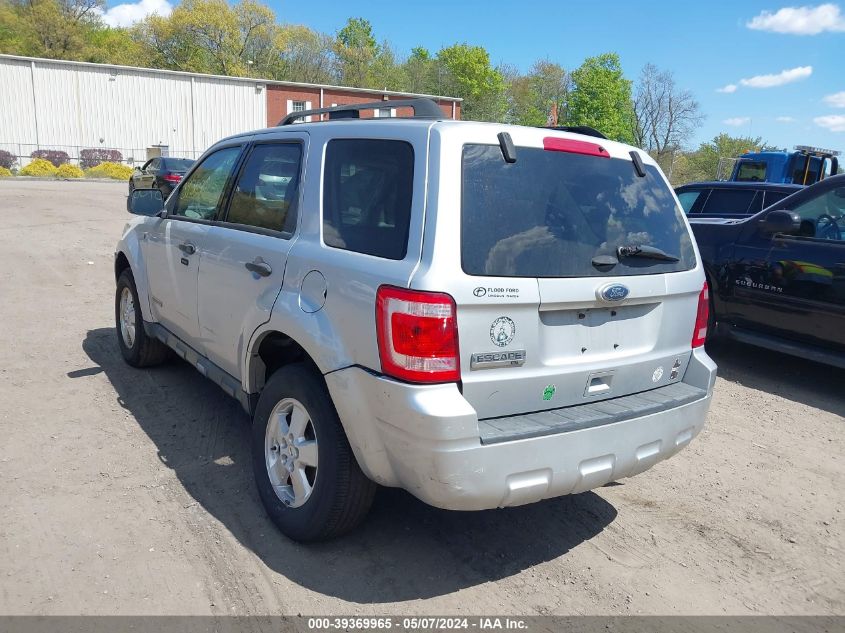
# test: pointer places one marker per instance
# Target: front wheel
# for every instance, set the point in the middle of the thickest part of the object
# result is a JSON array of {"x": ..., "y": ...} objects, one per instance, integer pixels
[
  {"x": 307, "y": 476},
  {"x": 138, "y": 349}
]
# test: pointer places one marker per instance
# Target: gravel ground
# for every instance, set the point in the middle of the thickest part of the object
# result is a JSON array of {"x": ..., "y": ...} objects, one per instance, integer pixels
[{"x": 130, "y": 492}]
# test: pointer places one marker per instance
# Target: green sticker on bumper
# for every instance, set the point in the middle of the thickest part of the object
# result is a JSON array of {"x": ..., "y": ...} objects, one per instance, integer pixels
[{"x": 548, "y": 392}]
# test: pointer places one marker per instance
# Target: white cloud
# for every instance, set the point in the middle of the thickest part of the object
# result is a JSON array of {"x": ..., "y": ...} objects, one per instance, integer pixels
[
  {"x": 837, "y": 99},
  {"x": 132, "y": 12},
  {"x": 800, "y": 20},
  {"x": 727, "y": 89},
  {"x": 737, "y": 121},
  {"x": 780, "y": 79},
  {"x": 784, "y": 119},
  {"x": 832, "y": 122}
]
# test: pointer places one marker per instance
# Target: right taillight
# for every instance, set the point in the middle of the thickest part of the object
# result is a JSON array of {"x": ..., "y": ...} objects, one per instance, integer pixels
[
  {"x": 417, "y": 335},
  {"x": 699, "y": 334}
]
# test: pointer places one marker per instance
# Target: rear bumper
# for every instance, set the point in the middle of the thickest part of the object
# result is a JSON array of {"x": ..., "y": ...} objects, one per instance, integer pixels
[{"x": 426, "y": 440}]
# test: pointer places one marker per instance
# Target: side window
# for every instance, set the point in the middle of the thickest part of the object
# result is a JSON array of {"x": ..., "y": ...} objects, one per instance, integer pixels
[
  {"x": 773, "y": 197},
  {"x": 823, "y": 217},
  {"x": 688, "y": 199},
  {"x": 155, "y": 164},
  {"x": 367, "y": 191},
  {"x": 729, "y": 201},
  {"x": 266, "y": 193},
  {"x": 200, "y": 194}
]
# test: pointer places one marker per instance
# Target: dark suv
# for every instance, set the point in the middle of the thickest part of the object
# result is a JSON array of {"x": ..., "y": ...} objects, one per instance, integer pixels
[
  {"x": 731, "y": 199},
  {"x": 777, "y": 278}
]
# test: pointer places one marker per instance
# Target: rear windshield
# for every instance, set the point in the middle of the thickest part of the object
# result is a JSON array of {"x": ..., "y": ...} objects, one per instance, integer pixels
[
  {"x": 550, "y": 213},
  {"x": 178, "y": 164}
]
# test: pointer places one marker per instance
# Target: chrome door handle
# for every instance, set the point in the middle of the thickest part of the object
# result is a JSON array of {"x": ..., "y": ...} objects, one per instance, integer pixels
[
  {"x": 259, "y": 268},
  {"x": 187, "y": 248}
]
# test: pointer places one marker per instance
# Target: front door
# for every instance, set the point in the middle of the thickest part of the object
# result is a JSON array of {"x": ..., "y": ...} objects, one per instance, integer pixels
[
  {"x": 173, "y": 245},
  {"x": 243, "y": 261},
  {"x": 794, "y": 285}
]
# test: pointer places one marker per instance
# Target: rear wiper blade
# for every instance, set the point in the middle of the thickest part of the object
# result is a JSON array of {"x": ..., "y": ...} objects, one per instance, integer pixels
[{"x": 646, "y": 252}]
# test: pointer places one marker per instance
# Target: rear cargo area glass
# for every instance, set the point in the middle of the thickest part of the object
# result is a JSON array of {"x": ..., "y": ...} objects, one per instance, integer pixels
[{"x": 550, "y": 213}]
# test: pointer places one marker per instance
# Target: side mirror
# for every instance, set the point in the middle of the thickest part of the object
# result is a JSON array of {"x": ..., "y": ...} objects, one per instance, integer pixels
[
  {"x": 781, "y": 222},
  {"x": 148, "y": 202}
]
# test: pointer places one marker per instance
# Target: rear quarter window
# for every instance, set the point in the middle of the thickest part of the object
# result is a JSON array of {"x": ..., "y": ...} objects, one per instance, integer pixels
[
  {"x": 367, "y": 194},
  {"x": 730, "y": 201}
]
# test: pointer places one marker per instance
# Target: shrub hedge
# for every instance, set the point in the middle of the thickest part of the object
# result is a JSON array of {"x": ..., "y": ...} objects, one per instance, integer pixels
[
  {"x": 110, "y": 170},
  {"x": 5, "y": 173},
  {"x": 39, "y": 167},
  {"x": 69, "y": 171},
  {"x": 89, "y": 158},
  {"x": 7, "y": 159},
  {"x": 55, "y": 156}
]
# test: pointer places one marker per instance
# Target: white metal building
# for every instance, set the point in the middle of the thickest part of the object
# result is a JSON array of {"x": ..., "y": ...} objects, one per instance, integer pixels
[{"x": 71, "y": 106}]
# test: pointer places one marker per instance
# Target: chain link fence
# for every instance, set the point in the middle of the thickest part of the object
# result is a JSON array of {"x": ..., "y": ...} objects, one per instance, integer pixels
[{"x": 22, "y": 152}]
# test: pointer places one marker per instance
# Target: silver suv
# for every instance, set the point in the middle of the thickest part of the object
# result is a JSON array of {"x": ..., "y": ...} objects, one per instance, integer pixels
[{"x": 484, "y": 315}]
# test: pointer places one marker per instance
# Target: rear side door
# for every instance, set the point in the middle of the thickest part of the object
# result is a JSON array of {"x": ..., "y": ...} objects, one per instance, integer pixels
[
  {"x": 173, "y": 245},
  {"x": 243, "y": 263},
  {"x": 794, "y": 285}
]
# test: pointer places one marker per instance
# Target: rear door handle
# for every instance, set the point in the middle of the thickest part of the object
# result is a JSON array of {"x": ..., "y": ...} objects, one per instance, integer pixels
[
  {"x": 259, "y": 268},
  {"x": 187, "y": 248}
]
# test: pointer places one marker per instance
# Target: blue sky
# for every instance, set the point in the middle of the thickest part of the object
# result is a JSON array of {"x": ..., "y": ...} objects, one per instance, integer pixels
[{"x": 708, "y": 45}]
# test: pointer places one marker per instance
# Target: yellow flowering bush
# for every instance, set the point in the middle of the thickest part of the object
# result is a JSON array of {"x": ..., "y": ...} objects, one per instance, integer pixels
[
  {"x": 109, "y": 170},
  {"x": 5, "y": 173},
  {"x": 39, "y": 167},
  {"x": 67, "y": 170}
]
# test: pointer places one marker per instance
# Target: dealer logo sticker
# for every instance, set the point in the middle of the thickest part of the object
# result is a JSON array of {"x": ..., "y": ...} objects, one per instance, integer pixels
[
  {"x": 480, "y": 291},
  {"x": 657, "y": 375},
  {"x": 502, "y": 331}
]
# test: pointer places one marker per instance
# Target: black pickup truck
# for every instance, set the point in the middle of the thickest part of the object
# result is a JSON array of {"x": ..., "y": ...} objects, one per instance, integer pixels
[{"x": 777, "y": 278}]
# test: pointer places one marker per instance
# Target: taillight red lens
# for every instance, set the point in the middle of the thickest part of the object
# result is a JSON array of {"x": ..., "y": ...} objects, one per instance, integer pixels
[
  {"x": 172, "y": 177},
  {"x": 699, "y": 334},
  {"x": 554, "y": 144},
  {"x": 417, "y": 335}
]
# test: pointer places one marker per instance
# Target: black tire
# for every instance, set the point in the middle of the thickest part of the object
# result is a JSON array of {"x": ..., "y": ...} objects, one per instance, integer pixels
[
  {"x": 145, "y": 351},
  {"x": 341, "y": 495}
]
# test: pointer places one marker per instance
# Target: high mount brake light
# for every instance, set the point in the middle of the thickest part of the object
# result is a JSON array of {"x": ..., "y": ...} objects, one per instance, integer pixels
[
  {"x": 554, "y": 144},
  {"x": 172, "y": 177},
  {"x": 699, "y": 334},
  {"x": 417, "y": 335}
]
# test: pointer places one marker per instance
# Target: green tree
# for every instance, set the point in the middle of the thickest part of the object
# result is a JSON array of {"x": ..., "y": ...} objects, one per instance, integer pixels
[
  {"x": 420, "y": 72},
  {"x": 601, "y": 97},
  {"x": 533, "y": 97},
  {"x": 304, "y": 55},
  {"x": 465, "y": 71},
  {"x": 213, "y": 37},
  {"x": 49, "y": 28},
  {"x": 356, "y": 49},
  {"x": 703, "y": 163}
]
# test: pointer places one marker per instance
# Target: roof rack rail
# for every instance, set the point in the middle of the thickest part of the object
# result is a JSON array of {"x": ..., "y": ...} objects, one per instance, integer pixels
[
  {"x": 423, "y": 109},
  {"x": 586, "y": 130}
]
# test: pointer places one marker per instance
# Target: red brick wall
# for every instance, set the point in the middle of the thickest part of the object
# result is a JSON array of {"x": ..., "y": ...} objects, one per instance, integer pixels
[{"x": 278, "y": 96}]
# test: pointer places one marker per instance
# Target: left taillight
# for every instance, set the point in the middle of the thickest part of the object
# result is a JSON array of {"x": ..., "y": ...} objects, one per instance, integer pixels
[
  {"x": 417, "y": 335},
  {"x": 699, "y": 334},
  {"x": 174, "y": 178}
]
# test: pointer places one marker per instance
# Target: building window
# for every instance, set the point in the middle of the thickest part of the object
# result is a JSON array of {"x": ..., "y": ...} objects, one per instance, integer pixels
[
  {"x": 385, "y": 113},
  {"x": 299, "y": 106}
]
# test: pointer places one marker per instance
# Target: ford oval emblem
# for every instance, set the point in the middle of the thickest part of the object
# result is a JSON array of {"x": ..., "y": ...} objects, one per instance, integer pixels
[{"x": 613, "y": 292}]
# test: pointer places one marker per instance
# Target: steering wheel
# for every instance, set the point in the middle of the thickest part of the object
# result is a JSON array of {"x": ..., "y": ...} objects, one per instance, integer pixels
[{"x": 827, "y": 228}]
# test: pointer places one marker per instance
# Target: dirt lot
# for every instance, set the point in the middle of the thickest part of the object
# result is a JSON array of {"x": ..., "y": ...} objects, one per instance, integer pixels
[{"x": 129, "y": 492}]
